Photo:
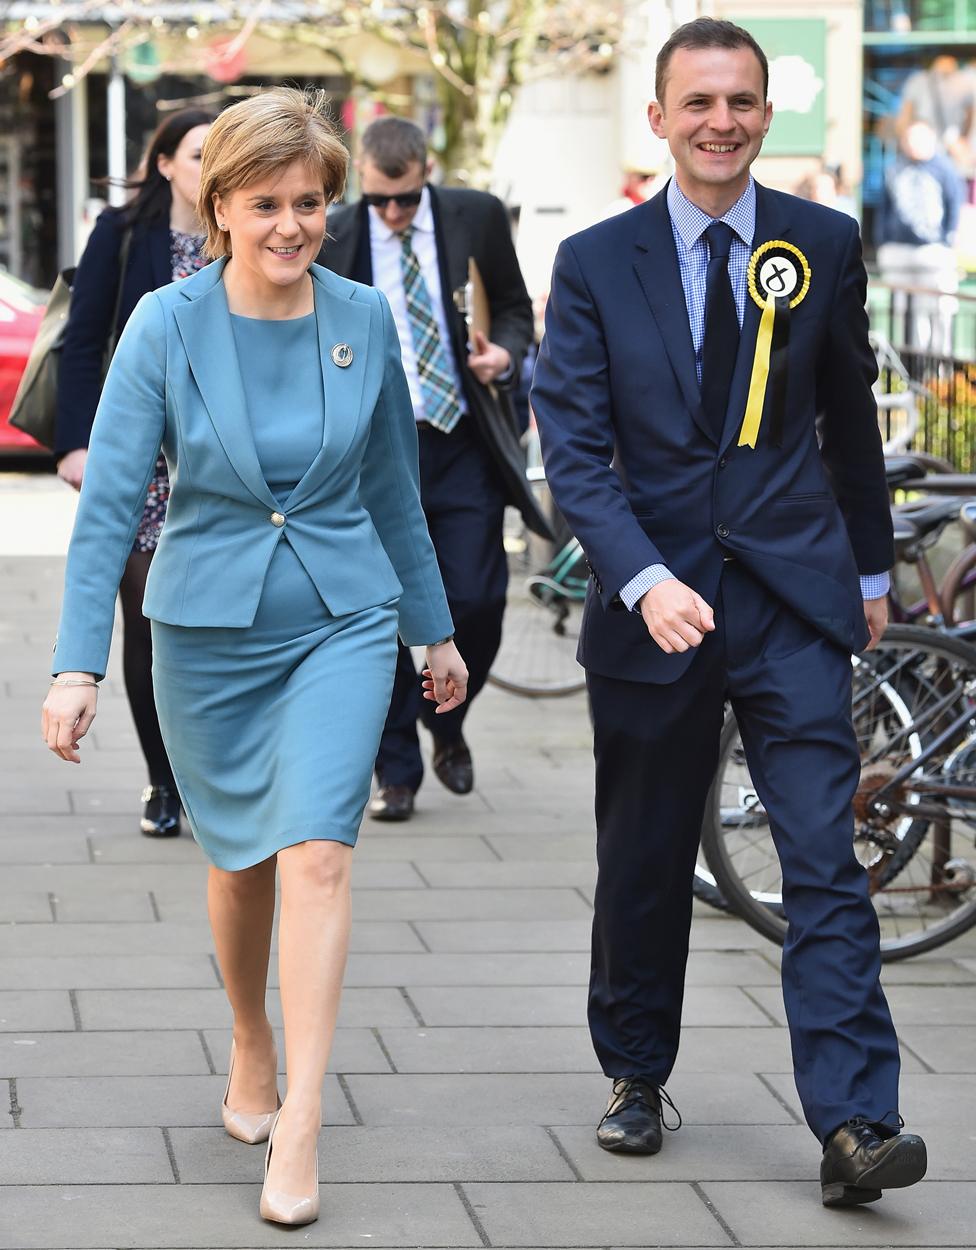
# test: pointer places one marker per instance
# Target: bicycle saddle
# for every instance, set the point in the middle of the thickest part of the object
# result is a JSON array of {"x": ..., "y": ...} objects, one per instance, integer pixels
[
  {"x": 902, "y": 469},
  {"x": 920, "y": 520}
]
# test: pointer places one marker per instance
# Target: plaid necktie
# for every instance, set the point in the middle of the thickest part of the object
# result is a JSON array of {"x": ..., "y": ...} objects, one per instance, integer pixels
[{"x": 441, "y": 406}]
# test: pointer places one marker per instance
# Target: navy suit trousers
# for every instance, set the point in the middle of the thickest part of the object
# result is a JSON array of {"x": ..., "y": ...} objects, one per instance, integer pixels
[
  {"x": 464, "y": 501},
  {"x": 656, "y": 750}
]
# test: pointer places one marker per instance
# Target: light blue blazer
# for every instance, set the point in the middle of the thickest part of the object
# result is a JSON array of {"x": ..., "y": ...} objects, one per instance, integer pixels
[{"x": 354, "y": 519}]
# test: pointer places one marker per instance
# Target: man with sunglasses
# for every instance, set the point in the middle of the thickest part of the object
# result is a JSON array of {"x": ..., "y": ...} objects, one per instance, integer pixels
[{"x": 415, "y": 242}]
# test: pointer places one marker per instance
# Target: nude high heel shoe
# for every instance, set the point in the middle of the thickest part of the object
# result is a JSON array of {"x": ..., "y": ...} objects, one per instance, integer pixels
[
  {"x": 284, "y": 1208},
  {"x": 249, "y": 1127}
]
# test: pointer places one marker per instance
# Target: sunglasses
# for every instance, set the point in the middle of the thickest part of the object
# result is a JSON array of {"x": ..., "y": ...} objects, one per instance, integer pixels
[{"x": 409, "y": 199}]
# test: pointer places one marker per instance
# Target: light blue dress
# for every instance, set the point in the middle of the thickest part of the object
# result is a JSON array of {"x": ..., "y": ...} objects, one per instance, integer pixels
[{"x": 272, "y": 730}]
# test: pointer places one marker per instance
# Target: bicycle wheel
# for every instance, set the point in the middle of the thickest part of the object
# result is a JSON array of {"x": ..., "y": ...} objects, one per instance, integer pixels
[
  {"x": 919, "y": 853},
  {"x": 540, "y": 634},
  {"x": 540, "y": 630}
]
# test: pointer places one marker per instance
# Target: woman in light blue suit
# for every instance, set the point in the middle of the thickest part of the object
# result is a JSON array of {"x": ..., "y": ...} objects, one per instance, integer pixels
[{"x": 294, "y": 550}]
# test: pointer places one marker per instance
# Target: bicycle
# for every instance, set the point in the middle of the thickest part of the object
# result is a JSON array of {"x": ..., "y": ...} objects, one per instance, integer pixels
[{"x": 914, "y": 713}]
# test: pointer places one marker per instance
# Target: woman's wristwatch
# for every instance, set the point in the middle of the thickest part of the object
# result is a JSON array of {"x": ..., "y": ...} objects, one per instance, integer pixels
[{"x": 440, "y": 642}]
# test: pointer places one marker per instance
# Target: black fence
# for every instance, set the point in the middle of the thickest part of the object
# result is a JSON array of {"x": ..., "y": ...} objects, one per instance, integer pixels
[{"x": 926, "y": 345}]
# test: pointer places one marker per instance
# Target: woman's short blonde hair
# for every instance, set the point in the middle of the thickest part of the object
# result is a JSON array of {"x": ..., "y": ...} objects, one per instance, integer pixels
[{"x": 262, "y": 135}]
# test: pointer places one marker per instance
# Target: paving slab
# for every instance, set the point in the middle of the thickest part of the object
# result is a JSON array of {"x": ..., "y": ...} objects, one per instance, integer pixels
[
  {"x": 209, "y": 1009},
  {"x": 133, "y": 1101},
  {"x": 173, "y": 1217},
  {"x": 33, "y": 1010},
  {"x": 469, "y": 970},
  {"x": 84, "y": 1156},
  {"x": 950, "y": 1048},
  {"x": 576, "y": 1215},
  {"x": 354, "y": 1050},
  {"x": 518, "y": 936},
  {"x": 162, "y": 940},
  {"x": 25, "y": 907},
  {"x": 564, "y": 1005},
  {"x": 101, "y": 1054},
  {"x": 477, "y": 1099},
  {"x": 389, "y": 1155},
  {"x": 934, "y": 1099},
  {"x": 105, "y": 972},
  {"x": 910, "y": 1005},
  {"x": 929, "y": 1214}
]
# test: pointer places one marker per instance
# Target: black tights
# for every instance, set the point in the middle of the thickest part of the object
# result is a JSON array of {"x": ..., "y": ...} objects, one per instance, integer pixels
[{"x": 137, "y": 668}]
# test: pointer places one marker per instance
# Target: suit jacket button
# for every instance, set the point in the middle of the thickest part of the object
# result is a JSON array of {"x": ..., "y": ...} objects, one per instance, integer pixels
[
  {"x": 722, "y": 530},
  {"x": 277, "y": 519}
]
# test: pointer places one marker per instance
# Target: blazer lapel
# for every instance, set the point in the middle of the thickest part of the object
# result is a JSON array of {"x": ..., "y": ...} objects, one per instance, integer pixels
[
  {"x": 656, "y": 265},
  {"x": 340, "y": 319},
  {"x": 208, "y": 340},
  {"x": 451, "y": 239},
  {"x": 771, "y": 223}
]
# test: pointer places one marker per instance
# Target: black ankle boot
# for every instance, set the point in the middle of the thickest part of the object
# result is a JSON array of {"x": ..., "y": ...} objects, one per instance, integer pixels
[{"x": 161, "y": 818}]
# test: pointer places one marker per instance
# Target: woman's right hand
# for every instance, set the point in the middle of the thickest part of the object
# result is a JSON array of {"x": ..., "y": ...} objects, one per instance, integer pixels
[
  {"x": 71, "y": 468},
  {"x": 67, "y": 715}
]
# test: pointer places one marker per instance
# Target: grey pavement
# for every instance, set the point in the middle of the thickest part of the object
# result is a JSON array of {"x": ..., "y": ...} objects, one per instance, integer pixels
[{"x": 464, "y": 1092}]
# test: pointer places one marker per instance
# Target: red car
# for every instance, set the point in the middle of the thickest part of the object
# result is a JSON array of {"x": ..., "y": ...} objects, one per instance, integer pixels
[{"x": 21, "y": 311}]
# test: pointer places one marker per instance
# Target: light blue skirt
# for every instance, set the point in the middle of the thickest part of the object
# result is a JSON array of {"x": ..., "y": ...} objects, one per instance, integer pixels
[{"x": 272, "y": 730}]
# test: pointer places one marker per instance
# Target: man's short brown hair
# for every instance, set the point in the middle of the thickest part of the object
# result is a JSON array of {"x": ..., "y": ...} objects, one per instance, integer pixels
[
  {"x": 393, "y": 144},
  {"x": 706, "y": 32}
]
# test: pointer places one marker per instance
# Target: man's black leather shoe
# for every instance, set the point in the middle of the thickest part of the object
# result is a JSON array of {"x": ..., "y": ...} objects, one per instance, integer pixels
[
  {"x": 161, "y": 815},
  {"x": 453, "y": 766},
  {"x": 631, "y": 1123},
  {"x": 861, "y": 1159},
  {"x": 392, "y": 803}
]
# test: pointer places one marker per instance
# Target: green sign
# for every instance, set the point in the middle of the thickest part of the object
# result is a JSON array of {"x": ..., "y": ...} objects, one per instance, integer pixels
[{"x": 796, "y": 49}]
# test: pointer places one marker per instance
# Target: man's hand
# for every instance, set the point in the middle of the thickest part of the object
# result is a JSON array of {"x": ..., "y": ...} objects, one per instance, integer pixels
[
  {"x": 71, "y": 468},
  {"x": 487, "y": 361},
  {"x": 876, "y": 615},
  {"x": 676, "y": 618}
]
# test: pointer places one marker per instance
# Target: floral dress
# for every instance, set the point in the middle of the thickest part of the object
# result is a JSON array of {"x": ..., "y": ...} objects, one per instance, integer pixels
[{"x": 186, "y": 255}]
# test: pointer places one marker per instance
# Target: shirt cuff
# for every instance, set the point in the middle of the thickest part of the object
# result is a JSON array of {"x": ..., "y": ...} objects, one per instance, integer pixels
[
  {"x": 644, "y": 581},
  {"x": 875, "y": 585}
]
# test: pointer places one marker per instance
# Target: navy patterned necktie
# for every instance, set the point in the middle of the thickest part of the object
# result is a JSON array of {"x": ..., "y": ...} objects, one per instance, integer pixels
[{"x": 721, "y": 341}]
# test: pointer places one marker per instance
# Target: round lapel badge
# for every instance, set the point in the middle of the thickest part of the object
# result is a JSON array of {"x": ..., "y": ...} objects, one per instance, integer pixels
[
  {"x": 778, "y": 270},
  {"x": 342, "y": 355}
]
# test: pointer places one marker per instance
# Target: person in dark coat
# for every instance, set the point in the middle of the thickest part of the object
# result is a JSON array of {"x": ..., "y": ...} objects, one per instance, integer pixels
[
  {"x": 415, "y": 241},
  {"x": 159, "y": 238}
]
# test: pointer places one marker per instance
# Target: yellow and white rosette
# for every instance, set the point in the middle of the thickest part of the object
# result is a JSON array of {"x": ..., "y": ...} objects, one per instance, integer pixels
[{"x": 778, "y": 280}]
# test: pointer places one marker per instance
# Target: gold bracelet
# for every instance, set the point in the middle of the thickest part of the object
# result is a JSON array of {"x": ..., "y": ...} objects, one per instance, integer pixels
[{"x": 69, "y": 681}]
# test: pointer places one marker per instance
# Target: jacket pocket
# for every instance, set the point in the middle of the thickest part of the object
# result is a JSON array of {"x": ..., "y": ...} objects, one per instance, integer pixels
[{"x": 815, "y": 496}]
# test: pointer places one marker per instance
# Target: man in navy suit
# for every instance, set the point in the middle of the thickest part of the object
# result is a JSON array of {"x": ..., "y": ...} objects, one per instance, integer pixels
[{"x": 690, "y": 345}]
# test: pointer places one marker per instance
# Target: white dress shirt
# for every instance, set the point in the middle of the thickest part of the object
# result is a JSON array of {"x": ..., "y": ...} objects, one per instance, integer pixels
[{"x": 386, "y": 249}]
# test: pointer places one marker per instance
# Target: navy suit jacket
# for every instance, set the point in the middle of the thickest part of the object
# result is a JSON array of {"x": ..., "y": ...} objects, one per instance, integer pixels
[
  {"x": 633, "y": 465},
  {"x": 94, "y": 292}
]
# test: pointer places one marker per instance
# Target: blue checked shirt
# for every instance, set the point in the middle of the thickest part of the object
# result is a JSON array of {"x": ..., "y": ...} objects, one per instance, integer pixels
[{"x": 688, "y": 225}]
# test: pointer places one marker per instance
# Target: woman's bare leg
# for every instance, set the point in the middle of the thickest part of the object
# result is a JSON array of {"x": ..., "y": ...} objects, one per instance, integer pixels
[
  {"x": 313, "y": 941},
  {"x": 241, "y": 906}
]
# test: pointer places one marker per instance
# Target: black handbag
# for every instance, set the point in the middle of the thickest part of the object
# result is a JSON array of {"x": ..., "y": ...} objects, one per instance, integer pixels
[{"x": 35, "y": 405}]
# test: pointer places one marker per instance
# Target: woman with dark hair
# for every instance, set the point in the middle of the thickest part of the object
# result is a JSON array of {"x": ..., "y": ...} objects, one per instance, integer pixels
[{"x": 157, "y": 237}]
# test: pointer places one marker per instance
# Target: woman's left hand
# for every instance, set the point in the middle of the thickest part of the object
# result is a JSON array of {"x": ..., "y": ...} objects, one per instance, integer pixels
[{"x": 445, "y": 677}]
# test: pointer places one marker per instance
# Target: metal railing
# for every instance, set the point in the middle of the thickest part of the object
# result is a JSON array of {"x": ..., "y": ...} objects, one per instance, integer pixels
[{"x": 931, "y": 363}]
